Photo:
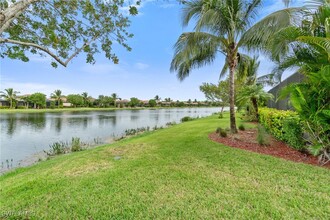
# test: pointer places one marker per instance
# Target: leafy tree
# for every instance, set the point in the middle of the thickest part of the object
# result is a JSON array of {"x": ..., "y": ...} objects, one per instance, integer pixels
[
  {"x": 75, "y": 100},
  {"x": 57, "y": 95},
  {"x": 223, "y": 26},
  {"x": 38, "y": 99},
  {"x": 217, "y": 93},
  {"x": 134, "y": 102},
  {"x": 63, "y": 29},
  {"x": 104, "y": 101},
  {"x": 152, "y": 103},
  {"x": 10, "y": 95}
]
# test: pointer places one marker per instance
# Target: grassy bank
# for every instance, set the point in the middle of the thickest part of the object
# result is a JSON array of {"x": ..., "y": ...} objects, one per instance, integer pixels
[{"x": 171, "y": 173}]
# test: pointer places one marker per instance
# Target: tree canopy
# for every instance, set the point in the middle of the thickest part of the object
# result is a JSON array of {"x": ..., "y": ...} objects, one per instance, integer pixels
[{"x": 63, "y": 28}]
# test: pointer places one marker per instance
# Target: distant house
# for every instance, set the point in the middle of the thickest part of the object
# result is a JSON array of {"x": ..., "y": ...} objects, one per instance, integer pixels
[
  {"x": 4, "y": 103},
  {"x": 122, "y": 103},
  {"x": 283, "y": 104}
]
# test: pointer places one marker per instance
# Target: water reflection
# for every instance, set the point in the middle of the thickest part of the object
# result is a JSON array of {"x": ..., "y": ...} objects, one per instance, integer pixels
[
  {"x": 35, "y": 121},
  {"x": 105, "y": 119},
  {"x": 57, "y": 124},
  {"x": 11, "y": 125},
  {"x": 79, "y": 122}
]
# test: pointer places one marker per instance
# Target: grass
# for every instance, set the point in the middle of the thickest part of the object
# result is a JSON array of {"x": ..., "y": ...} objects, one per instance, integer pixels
[{"x": 174, "y": 173}]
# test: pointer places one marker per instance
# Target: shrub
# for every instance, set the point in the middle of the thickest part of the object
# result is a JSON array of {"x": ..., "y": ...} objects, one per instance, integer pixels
[
  {"x": 218, "y": 130},
  {"x": 273, "y": 120},
  {"x": 223, "y": 133},
  {"x": 75, "y": 144},
  {"x": 262, "y": 137},
  {"x": 293, "y": 133},
  {"x": 241, "y": 127},
  {"x": 186, "y": 118},
  {"x": 57, "y": 148}
]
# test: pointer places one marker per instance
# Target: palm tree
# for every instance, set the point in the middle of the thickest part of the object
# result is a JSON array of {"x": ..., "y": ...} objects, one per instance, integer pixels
[
  {"x": 222, "y": 26},
  {"x": 85, "y": 98},
  {"x": 115, "y": 97},
  {"x": 157, "y": 98},
  {"x": 305, "y": 45},
  {"x": 10, "y": 95},
  {"x": 57, "y": 95},
  {"x": 253, "y": 94}
]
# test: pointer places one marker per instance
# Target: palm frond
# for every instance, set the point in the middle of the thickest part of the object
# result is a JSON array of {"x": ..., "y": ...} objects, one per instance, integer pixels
[
  {"x": 259, "y": 36},
  {"x": 194, "y": 50},
  {"x": 321, "y": 42},
  {"x": 191, "y": 10}
]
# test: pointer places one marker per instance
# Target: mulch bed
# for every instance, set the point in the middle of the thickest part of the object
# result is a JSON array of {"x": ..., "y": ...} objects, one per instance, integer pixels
[{"x": 247, "y": 140}]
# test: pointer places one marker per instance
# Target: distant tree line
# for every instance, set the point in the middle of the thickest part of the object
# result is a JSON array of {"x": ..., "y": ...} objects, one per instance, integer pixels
[{"x": 11, "y": 99}]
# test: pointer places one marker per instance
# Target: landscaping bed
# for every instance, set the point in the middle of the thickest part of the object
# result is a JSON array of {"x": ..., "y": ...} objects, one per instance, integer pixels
[{"x": 247, "y": 140}]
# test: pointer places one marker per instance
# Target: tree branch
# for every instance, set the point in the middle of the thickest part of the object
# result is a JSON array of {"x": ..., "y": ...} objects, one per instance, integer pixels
[
  {"x": 12, "y": 12},
  {"x": 46, "y": 50}
]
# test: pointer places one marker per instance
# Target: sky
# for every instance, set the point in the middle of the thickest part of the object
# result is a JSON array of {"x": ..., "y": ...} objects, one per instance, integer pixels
[{"x": 142, "y": 73}]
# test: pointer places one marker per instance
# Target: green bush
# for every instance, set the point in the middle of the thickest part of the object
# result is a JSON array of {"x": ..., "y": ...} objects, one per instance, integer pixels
[
  {"x": 186, "y": 118},
  {"x": 284, "y": 125},
  {"x": 241, "y": 127},
  {"x": 76, "y": 144},
  {"x": 218, "y": 130},
  {"x": 223, "y": 133},
  {"x": 293, "y": 133},
  {"x": 273, "y": 120},
  {"x": 57, "y": 148}
]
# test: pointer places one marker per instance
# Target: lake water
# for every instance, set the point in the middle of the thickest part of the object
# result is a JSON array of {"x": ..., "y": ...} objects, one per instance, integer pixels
[{"x": 25, "y": 134}]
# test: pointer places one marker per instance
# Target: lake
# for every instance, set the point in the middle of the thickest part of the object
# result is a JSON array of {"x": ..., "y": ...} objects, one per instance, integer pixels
[{"x": 25, "y": 134}]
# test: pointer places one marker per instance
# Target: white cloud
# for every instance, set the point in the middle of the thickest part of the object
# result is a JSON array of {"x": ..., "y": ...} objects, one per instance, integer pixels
[
  {"x": 104, "y": 69},
  {"x": 141, "y": 66}
]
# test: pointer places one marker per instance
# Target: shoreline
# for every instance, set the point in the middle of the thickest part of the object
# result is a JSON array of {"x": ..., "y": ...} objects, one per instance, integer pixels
[{"x": 11, "y": 111}]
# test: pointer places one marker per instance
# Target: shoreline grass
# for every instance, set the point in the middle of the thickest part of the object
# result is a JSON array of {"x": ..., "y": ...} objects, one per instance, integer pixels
[{"x": 172, "y": 173}]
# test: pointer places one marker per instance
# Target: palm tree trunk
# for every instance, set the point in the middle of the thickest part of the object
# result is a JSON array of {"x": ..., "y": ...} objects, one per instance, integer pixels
[
  {"x": 255, "y": 106},
  {"x": 232, "y": 59},
  {"x": 11, "y": 103}
]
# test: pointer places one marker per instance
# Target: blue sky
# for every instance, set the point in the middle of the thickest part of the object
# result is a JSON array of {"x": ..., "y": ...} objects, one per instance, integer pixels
[{"x": 142, "y": 73}]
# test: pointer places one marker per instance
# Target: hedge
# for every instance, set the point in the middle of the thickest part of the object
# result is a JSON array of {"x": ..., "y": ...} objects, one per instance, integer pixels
[{"x": 284, "y": 125}]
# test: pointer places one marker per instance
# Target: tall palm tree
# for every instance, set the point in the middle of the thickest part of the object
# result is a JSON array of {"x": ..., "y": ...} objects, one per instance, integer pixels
[
  {"x": 57, "y": 95},
  {"x": 115, "y": 97},
  {"x": 157, "y": 98},
  {"x": 222, "y": 26},
  {"x": 85, "y": 98},
  {"x": 10, "y": 95}
]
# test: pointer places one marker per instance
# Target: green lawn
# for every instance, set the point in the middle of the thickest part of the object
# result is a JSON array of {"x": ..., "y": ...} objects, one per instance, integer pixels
[{"x": 174, "y": 173}]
